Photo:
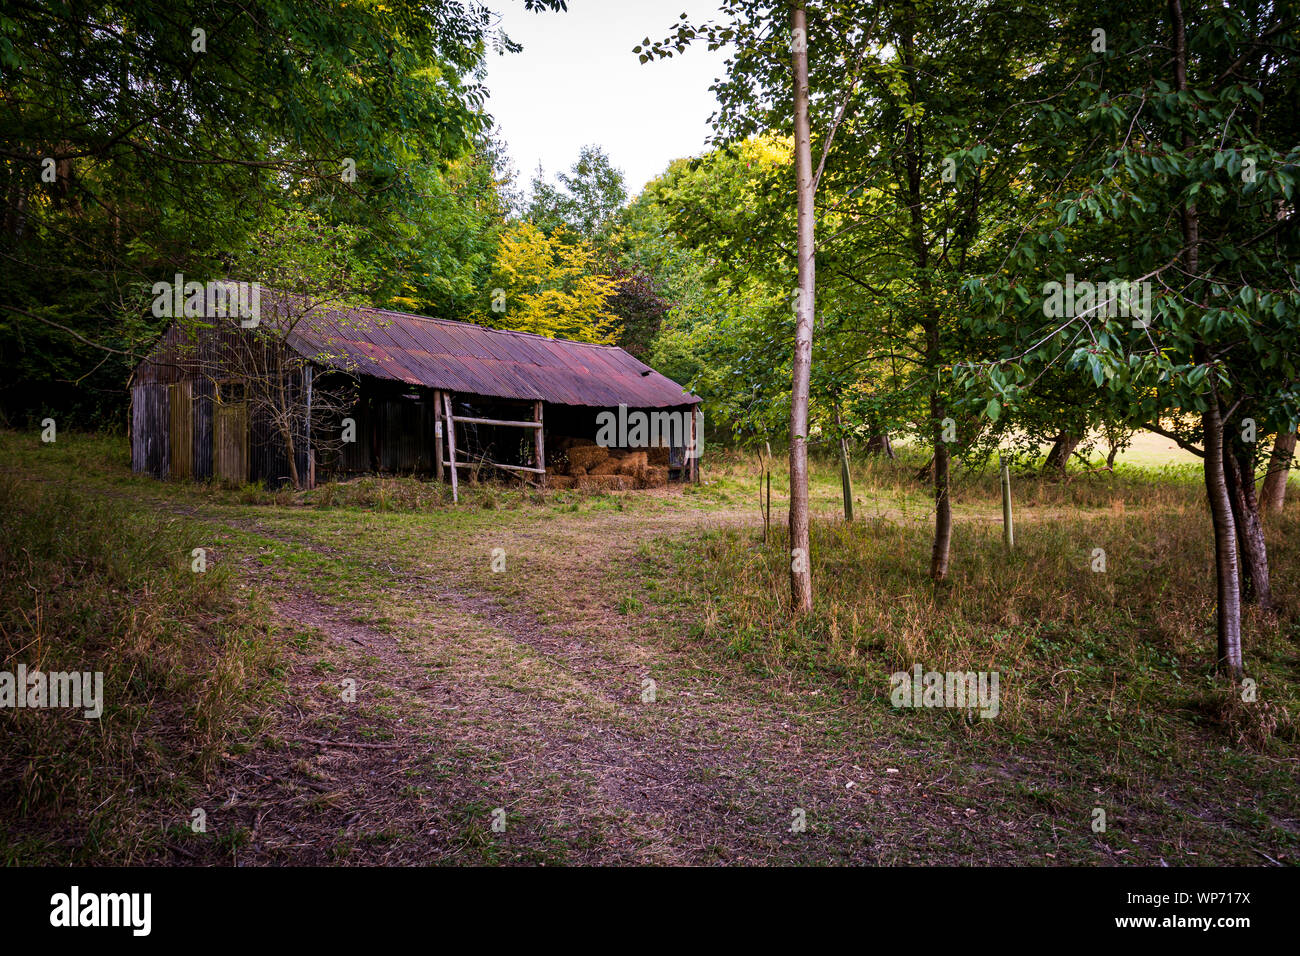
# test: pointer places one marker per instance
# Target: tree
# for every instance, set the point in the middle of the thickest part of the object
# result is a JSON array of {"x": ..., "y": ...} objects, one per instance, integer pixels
[
  {"x": 638, "y": 306},
  {"x": 768, "y": 88},
  {"x": 910, "y": 171},
  {"x": 549, "y": 286},
  {"x": 1273, "y": 493},
  {"x": 1186, "y": 183},
  {"x": 302, "y": 268},
  {"x": 805, "y": 305},
  {"x": 585, "y": 199},
  {"x": 146, "y": 138}
]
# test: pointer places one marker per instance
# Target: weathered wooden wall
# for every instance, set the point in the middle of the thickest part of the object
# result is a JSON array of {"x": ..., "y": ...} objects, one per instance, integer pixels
[
  {"x": 180, "y": 430},
  {"x": 180, "y": 416},
  {"x": 230, "y": 443}
]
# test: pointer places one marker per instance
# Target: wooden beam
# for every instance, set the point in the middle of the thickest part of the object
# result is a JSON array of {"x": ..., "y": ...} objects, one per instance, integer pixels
[
  {"x": 539, "y": 442},
  {"x": 694, "y": 462},
  {"x": 451, "y": 445},
  {"x": 437, "y": 436},
  {"x": 493, "y": 464},
  {"x": 497, "y": 421}
]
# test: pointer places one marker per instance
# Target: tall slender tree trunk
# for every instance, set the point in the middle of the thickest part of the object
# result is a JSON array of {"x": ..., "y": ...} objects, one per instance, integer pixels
[
  {"x": 1225, "y": 543},
  {"x": 1227, "y": 569},
  {"x": 800, "y": 557},
  {"x": 942, "y": 503},
  {"x": 914, "y": 157},
  {"x": 294, "y": 478},
  {"x": 1272, "y": 495},
  {"x": 846, "y": 476}
]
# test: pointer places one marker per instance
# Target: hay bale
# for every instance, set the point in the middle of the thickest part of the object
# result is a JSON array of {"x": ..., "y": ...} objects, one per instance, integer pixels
[
  {"x": 577, "y": 472},
  {"x": 656, "y": 476},
  {"x": 633, "y": 464},
  {"x": 657, "y": 455},
  {"x": 587, "y": 456},
  {"x": 610, "y": 466},
  {"x": 604, "y": 483},
  {"x": 560, "y": 482}
]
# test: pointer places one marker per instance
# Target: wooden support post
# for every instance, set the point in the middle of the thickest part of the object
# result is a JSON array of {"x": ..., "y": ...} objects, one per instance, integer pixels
[
  {"x": 1008, "y": 529},
  {"x": 437, "y": 434},
  {"x": 846, "y": 478},
  {"x": 539, "y": 441},
  {"x": 451, "y": 446},
  {"x": 767, "y": 519},
  {"x": 693, "y": 465}
]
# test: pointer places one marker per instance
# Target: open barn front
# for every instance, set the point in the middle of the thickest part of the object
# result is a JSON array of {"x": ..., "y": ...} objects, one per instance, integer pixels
[
  {"x": 315, "y": 390},
  {"x": 621, "y": 448},
  {"x": 398, "y": 429}
]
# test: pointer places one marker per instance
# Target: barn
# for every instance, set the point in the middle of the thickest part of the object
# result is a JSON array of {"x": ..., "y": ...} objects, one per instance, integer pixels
[{"x": 306, "y": 391}]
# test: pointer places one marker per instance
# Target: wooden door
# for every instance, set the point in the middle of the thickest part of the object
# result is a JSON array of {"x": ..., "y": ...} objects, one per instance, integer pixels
[
  {"x": 229, "y": 439},
  {"x": 181, "y": 429}
]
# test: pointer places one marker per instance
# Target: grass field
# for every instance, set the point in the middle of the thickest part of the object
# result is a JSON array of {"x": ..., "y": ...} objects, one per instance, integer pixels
[{"x": 350, "y": 680}]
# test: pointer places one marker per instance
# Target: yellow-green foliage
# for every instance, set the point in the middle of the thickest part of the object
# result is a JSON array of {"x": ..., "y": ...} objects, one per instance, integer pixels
[{"x": 551, "y": 287}]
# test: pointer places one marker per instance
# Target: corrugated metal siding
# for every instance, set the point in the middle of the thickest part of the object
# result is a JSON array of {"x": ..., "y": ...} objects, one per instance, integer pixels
[
  {"x": 150, "y": 449},
  {"x": 202, "y": 464},
  {"x": 354, "y": 456},
  {"x": 268, "y": 457},
  {"x": 394, "y": 433},
  {"x": 407, "y": 434}
]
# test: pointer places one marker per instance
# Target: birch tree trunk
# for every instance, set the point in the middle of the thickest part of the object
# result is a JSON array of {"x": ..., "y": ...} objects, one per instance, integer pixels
[
  {"x": 800, "y": 562},
  {"x": 1225, "y": 543}
]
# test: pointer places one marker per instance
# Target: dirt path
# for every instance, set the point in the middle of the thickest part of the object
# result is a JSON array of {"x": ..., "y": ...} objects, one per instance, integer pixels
[{"x": 525, "y": 728}]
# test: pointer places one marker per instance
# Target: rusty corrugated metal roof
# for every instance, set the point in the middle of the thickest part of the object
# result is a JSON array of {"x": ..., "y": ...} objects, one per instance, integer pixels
[{"x": 462, "y": 357}]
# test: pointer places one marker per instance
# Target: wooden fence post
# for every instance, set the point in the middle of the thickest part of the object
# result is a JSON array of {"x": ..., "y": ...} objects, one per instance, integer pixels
[
  {"x": 539, "y": 442},
  {"x": 437, "y": 434},
  {"x": 1008, "y": 527},
  {"x": 451, "y": 447}
]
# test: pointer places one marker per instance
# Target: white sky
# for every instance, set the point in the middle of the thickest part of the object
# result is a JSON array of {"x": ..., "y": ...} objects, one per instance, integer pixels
[{"x": 577, "y": 81}]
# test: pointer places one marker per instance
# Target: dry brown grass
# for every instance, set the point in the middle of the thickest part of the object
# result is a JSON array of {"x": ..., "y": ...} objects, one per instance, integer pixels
[
  {"x": 93, "y": 585},
  {"x": 1126, "y": 647}
]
